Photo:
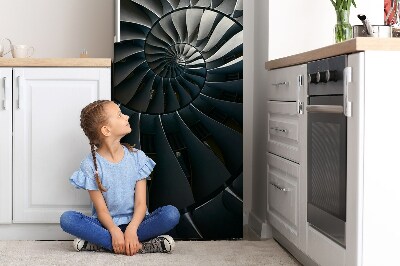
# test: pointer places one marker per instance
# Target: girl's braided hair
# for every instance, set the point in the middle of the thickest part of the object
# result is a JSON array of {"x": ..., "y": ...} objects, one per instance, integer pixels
[{"x": 93, "y": 117}]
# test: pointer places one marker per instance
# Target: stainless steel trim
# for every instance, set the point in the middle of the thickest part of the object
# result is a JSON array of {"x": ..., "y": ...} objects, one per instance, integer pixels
[
  {"x": 279, "y": 187},
  {"x": 5, "y": 93},
  {"x": 286, "y": 83},
  {"x": 336, "y": 109}
]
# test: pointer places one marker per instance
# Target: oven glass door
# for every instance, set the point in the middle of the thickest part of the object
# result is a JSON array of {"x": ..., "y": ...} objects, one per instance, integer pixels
[{"x": 326, "y": 167}]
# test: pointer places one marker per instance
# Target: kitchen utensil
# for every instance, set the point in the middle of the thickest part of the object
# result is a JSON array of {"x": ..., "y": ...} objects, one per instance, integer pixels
[
  {"x": 368, "y": 30},
  {"x": 2, "y": 53},
  {"x": 367, "y": 26}
]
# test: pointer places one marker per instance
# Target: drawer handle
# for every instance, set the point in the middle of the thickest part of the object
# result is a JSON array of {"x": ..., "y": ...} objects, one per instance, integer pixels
[
  {"x": 284, "y": 83},
  {"x": 20, "y": 88},
  {"x": 279, "y": 187},
  {"x": 280, "y": 129},
  {"x": 5, "y": 94}
]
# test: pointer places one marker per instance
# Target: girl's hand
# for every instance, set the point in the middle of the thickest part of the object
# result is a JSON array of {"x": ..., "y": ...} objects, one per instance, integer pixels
[
  {"x": 132, "y": 244},
  {"x": 118, "y": 241}
]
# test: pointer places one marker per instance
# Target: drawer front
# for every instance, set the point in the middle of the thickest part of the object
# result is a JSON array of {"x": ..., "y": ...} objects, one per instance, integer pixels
[
  {"x": 283, "y": 83},
  {"x": 283, "y": 196},
  {"x": 283, "y": 130}
]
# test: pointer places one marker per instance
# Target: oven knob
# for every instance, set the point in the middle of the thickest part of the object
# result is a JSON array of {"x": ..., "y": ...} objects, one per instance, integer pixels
[
  {"x": 329, "y": 75},
  {"x": 324, "y": 76},
  {"x": 314, "y": 78},
  {"x": 332, "y": 75}
]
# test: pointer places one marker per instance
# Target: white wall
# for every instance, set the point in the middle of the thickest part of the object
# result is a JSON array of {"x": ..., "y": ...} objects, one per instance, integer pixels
[
  {"x": 60, "y": 28},
  {"x": 301, "y": 25}
]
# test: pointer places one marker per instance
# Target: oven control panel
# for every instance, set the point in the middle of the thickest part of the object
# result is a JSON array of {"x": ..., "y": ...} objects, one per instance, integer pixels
[{"x": 324, "y": 76}]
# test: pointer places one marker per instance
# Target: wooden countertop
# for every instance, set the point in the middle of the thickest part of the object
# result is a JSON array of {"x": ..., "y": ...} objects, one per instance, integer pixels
[
  {"x": 55, "y": 62},
  {"x": 347, "y": 47}
]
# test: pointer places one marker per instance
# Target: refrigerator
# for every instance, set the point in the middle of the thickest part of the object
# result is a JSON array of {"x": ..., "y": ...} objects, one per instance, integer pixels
[{"x": 178, "y": 74}]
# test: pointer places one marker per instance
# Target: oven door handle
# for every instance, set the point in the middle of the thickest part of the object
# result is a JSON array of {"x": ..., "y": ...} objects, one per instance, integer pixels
[{"x": 335, "y": 109}]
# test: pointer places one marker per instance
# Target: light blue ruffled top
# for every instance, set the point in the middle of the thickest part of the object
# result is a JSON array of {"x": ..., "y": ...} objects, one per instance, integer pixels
[{"x": 118, "y": 178}]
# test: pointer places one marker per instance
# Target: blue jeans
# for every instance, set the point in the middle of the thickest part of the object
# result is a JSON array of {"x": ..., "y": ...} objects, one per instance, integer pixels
[{"x": 90, "y": 229}]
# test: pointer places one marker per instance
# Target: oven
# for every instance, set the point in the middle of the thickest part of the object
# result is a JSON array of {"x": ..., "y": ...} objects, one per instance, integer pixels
[{"x": 327, "y": 148}]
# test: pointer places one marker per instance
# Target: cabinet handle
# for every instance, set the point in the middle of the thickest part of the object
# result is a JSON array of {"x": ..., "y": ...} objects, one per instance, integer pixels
[
  {"x": 279, "y": 187},
  {"x": 346, "y": 80},
  {"x": 279, "y": 129},
  {"x": 5, "y": 93},
  {"x": 20, "y": 88},
  {"x": 286, "y": 83}
]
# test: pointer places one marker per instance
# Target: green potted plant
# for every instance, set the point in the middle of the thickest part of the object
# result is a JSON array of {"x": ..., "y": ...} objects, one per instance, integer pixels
[{"x": 343, "y": 30}]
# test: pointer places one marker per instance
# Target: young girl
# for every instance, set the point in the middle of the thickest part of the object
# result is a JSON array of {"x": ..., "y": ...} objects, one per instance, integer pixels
[{"x": 115, "y": 177}]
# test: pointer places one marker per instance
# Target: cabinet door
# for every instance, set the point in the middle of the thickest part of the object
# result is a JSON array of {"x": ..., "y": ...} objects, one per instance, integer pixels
[
  {"x": 5, "y": 146},
  {"x": 48, "y": 141},
  {"x": 283, "y": 196}
]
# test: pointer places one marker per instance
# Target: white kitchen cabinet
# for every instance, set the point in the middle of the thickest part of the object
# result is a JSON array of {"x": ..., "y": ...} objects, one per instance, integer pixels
[
  {"x": 5, "y": 146},
  {"x": 372, "y": 179},
  {"x": 47, "y": 144},
  {"x": 285, "y": 125}
]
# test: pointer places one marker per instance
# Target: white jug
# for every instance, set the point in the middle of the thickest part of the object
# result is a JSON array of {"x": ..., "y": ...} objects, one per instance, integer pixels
[{"x": 2, "y": 47}]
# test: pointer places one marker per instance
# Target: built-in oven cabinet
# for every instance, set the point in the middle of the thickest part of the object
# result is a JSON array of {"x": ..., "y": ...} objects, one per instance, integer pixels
[
  {"x": 283, "y": 196},
  {"x": 283, "y": 130}
]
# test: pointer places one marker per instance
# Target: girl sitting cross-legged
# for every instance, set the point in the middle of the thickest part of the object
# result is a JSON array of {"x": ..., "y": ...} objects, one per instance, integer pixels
[{"x": 115, "y": 176}]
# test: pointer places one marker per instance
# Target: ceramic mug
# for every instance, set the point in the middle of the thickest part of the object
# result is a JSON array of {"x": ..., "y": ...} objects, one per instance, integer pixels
[
  {"x": 2, "y": 53},
  {"x": 22, "y": 51}
]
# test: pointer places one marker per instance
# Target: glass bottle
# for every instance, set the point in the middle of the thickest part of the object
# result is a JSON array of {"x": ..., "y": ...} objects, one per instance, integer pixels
[{"x": 343, "y": 30}]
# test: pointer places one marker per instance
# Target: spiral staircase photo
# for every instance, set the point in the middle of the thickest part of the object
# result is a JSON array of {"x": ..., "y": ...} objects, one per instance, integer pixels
[{"x": 178, "y": 74}]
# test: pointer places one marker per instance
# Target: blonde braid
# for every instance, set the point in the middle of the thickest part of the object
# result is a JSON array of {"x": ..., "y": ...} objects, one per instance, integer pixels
[
  {"x": 92, "y": 118},
  {"x": 96, "y": 173}
]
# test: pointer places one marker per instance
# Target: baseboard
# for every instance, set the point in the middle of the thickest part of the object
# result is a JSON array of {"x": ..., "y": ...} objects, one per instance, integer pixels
[
  {"x": 260, "y": 228},
  {"x": 33, "y": 232},
  {"x": 292, "y": 249}
]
